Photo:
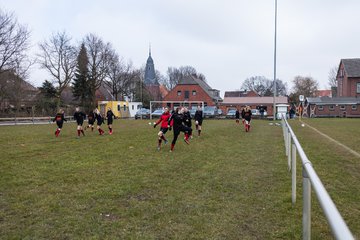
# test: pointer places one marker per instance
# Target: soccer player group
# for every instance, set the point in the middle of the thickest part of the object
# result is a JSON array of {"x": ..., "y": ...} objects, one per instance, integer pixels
[
  {"x": 79, "y": 116},
  {"x": 178, "y": 121},
  {"x": 245, "y": 116}
]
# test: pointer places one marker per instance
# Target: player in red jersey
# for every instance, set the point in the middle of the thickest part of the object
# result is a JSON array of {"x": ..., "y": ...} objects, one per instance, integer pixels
[
  {"x": 164, "y": 118},
  {"x": 59, "y": 119}
]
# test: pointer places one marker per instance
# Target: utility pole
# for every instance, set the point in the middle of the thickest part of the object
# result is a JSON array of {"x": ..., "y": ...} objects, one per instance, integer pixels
[{"x": 274, "y": 107}]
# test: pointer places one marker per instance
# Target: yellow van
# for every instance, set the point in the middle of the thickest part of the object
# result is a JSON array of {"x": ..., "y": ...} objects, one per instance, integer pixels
[{"x": 119, "y": 108}]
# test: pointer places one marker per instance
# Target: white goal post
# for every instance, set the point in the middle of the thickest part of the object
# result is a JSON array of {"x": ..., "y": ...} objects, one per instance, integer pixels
[{"x": 173, "y": 104}]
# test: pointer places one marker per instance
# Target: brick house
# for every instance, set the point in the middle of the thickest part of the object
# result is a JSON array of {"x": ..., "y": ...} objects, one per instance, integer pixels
[
  {"x": 191, "y": 88},
  {"x": 334, "y": 107},
  {"x": 348, "y": 78},
  {"x": 347, "y": 100}
]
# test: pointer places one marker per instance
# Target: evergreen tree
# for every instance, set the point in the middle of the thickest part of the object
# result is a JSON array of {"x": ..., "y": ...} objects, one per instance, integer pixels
[
  {"x": 47, "y": 100},
  {"x": 80, "y": 86},
  {"x": 48, "y": 90}
]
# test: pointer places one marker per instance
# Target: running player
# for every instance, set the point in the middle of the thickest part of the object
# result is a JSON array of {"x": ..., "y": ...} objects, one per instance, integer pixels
[
  {"x": 198, "y": 119},
  {"x": 110, "y": 115},
  {"x": 243, "y": 115},
  {"x": 99, "y": 121},
  {"x": 91, "y": 120},
  {"x": 79, "y": 117},
  {"x": 178, "y": 124},
  {"x": 247, "y": 117},
  {"x": 237, "y": 116},
  {"x": 187, "y": 119},
  {"x": 59, "y": 118},
  {"x": 163, "y": 128}
]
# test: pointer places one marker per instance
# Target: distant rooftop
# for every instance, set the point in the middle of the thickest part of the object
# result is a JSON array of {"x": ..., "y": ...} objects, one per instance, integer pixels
[{"x": 352, "y": 67}]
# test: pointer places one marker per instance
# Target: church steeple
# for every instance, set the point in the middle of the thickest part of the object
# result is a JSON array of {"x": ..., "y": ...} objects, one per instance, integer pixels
[{"x": 150, "y": 78}]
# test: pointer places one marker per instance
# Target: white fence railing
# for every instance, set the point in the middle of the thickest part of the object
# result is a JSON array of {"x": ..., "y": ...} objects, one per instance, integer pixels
[{"x": 310, "y": 179}]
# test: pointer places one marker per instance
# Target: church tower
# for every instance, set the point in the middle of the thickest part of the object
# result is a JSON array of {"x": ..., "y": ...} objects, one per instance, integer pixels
[{"x": 150, "y": 78}]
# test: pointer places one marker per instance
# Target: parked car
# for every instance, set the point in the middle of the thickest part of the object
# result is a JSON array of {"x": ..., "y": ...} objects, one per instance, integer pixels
[
  {"x": 256, "y": 113},
  {"x": 157, "y": 113},
  {"x": 143, "y": 113},
  {"x": 210, "y": 112},
  {"x": 231, "y": 113}
]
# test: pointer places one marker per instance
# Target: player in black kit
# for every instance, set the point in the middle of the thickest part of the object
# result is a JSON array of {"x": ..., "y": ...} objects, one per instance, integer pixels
[
  {"x": 91, "y": 120},
  {"x": 178, "y": 124},
  {"x": 59, "y": 118},
  {"x": 198, "y": 119},
  {"x": 99, "y": 121},
  {"x": 110, "y": 115},
  {"x": 79, "y": 117}
]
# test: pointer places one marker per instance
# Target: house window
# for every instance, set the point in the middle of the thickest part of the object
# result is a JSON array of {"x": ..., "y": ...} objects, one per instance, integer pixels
[
  {"x": 179, "y": 93},
  {"x": 354, "y": 107},
  {"x": 118, "y": 107},
  {"x": 186, "y": 94},
  {"x": 194, "y": 93},
  {"x": 124, "y": 107},
  {"x": 132, "y": 107},
  {"x": 331, "y": 107},
  {"x": 358, "y": 87},
  {"x": 342, "y": 107},
  {"x": 321, "y": 108}
]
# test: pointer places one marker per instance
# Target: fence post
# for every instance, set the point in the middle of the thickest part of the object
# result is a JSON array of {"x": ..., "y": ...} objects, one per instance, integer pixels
[
  {"x": 286, "y": 140},
  {"x": 306, "y": 205},
  {"x": 293, "y": 173},
  {"x": 289, "y": 149}
]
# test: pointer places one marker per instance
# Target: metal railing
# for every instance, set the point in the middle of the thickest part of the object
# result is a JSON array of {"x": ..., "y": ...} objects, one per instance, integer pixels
[{"x": 310, "y": 179}]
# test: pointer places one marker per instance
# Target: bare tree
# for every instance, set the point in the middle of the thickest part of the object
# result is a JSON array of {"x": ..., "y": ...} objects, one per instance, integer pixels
[
  {"x": 59, "y": 57},
  {"x": 332, "y": 81},
  {"x": 121, "y": 77},
  {"x": 14, "y": 61},
  {"x": 14, "y": 42},
  {"x": 175, "y": 75},
  {"x": 100, "y": 55},
  {"x": 263, "y": 86},
  {"x": 306, "y": 86}
]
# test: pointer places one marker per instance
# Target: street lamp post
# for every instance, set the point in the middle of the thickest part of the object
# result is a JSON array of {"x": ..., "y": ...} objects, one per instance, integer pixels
[{"x": 274, "y": 107}]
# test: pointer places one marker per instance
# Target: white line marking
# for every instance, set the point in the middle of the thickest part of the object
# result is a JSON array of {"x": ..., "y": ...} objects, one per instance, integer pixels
[{"x": 333, "y": 140}]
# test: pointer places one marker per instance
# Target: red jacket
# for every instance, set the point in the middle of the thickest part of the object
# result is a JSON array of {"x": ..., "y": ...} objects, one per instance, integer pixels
[{"x": 164, "y": 120}]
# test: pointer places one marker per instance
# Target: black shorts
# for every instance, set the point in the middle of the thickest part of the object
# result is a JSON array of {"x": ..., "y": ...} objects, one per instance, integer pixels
[
  {"x": 182, "y": 128},
  {"x": 164, "y": 130},
  {"x": 109, "y": 121},
  {"x": 91, "y": 122},
  {"x": 59, "y": 124},
  {"x": 79, "y": 123}
]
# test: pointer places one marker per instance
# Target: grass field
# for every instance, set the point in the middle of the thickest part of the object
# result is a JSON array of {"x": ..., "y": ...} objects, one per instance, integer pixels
[{"x": 225, "y": 185}]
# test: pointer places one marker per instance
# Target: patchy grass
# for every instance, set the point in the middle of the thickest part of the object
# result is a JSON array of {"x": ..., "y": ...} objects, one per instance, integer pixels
[
  {"x": 226, "y": 185},
  {"x": 338, "y": 169}
]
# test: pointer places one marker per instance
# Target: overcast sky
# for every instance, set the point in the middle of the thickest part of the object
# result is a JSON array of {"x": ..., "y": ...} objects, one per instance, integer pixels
[{"x": 228, "y": 40}]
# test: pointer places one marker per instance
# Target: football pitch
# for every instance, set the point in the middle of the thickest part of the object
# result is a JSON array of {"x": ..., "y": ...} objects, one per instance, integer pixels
[{"x": 227, "y": 184}]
